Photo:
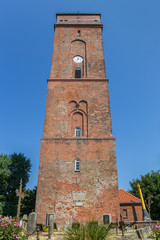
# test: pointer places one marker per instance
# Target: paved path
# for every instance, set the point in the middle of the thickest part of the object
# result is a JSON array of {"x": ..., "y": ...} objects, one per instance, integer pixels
[{"x": 60, "y": 236}]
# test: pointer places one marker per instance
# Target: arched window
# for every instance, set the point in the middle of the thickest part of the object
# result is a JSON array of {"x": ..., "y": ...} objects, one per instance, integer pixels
[
  {"x": 77, "y": 132},
  {"x": 77, "y": 165},
  {"x": 77, "y": 73}
]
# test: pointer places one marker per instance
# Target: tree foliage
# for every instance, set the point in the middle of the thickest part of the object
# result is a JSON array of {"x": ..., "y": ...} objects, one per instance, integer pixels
[
  {"x": 20, "y": 168},
  {"x": 4, "y": 176},
  {"x": 12, "y": 169},
  {"x": 150, "y": 186},
  {"x": 28, "y": 203}
]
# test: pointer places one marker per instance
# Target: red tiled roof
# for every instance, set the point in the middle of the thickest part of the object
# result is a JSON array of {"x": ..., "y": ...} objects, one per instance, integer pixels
[{"x": 127, "y": 197}]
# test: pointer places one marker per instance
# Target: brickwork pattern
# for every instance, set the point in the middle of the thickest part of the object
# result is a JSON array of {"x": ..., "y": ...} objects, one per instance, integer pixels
[
  {"x": 83, "y": 103},
  {"x": 91, "y": 51},
  {"x": 58, "y": 113},
  {"x": 98, "y": 178},
  {"x": 131, "y": 212},
  {"x": 130, "y": 206}
]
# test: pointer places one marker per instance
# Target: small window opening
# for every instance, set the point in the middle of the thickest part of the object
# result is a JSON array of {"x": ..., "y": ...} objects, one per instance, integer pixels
[
  {"x": 77, "y": 132},
  {"x": 77, "y": 165},
  {"x": 107, "y": 219},
  {"x": 66, "y": 20},
  {"x": 96, "y": 20},
  {"x": 61, "y": 20},
  {"x": 125, "y": 214},
  {"x": 77, "y": 72},
  {"x": 79, "y": 33}
]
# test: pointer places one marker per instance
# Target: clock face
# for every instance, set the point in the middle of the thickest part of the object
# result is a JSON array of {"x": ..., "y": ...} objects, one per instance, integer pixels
[{"x": 77, "y": 59}]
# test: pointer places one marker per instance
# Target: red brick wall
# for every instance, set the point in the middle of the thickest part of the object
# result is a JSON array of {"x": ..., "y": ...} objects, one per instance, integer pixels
[
  {"x": 58, "y": 179},
  {"x": 78, "y": 19},
  {"x": 58, "y": 109},
  {"x": 91, "y": 49},
  {"x": 80, "y": 103},
  {"x": 131, "y": 211}
]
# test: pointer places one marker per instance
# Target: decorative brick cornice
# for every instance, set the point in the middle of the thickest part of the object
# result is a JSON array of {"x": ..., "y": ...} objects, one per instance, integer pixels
[
  {"x": 87, "y": 25},
  {"x": 82, "y": 14},
  {"x": 77, "y": 80},
  {"x": 77, "y": 139}
]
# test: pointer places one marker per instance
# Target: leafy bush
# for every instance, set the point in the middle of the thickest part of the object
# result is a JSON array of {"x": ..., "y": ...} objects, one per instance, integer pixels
[
  {"x": 45, "y": 229},
  {"x": 11, "y": 230},
  {"x": 90, "y": 231},
  {"x": 76, "y": 233},
  {"x": 96, "y": 232},
  {"x": 156, "y": 232},
  {"x": 76, "y": 225}
]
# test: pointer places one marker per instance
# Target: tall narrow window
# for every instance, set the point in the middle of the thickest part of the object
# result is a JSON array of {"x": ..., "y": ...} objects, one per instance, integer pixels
[
  {"x": 77, "y": 132},
  {"x": 77, "y": 165},
  {"x": 79, "y": 33},
  {"x": 77, "y": 72}
]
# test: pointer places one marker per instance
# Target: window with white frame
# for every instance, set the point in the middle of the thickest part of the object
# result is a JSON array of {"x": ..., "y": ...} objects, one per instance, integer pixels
[
  {"x": 77, "y": 165},
  {"x": 77, "y": 132}
]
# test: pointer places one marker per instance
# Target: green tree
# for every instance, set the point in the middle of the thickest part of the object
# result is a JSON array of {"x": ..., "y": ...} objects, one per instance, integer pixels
[
  {"x": 150, "y": 186},
  {"x": 20, "y": 167},
  {"x": 4, "y": 176},
  {"x": 28, "y": 203}
]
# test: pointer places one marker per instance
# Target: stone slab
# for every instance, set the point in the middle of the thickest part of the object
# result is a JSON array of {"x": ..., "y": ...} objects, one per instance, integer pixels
[{"x": 79, "y": 196}]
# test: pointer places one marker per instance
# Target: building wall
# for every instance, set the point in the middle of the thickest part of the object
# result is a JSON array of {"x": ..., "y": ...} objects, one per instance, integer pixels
[
  {"x": 67, "y": 45},
  {"x": 65, "y": 98},
  {"x": 82, "y": 103},
  {"x": 58, "y": 181},
  {"x": 131, "y": 211}
]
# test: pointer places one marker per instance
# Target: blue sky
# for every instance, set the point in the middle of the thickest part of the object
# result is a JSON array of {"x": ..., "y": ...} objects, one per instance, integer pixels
[{"x": 131, "y": 37}]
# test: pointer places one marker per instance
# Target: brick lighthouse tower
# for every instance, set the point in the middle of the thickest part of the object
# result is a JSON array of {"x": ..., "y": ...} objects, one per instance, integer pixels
[{"x": 77, "y": 170}]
